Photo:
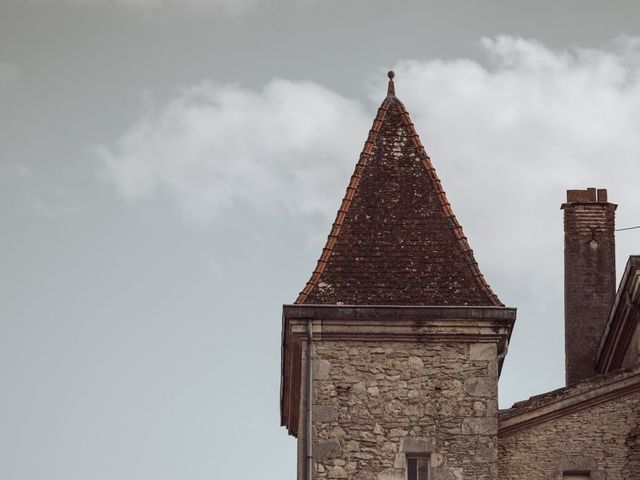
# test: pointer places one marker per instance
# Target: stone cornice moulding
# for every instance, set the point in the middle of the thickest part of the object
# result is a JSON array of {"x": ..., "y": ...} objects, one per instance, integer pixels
[
  {"x": 409, "y": 324},
  {"x": 397, "y": 311}
]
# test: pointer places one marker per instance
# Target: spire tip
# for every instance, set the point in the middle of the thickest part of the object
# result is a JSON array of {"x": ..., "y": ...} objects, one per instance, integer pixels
[{"x": 391, "y": 91}]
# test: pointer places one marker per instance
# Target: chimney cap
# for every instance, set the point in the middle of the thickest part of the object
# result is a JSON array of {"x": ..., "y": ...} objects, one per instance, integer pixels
[{"x": 589, "y": 195}]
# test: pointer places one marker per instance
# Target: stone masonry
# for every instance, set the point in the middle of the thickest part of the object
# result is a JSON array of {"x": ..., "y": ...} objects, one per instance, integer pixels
[{"x": 375, "y": 402}]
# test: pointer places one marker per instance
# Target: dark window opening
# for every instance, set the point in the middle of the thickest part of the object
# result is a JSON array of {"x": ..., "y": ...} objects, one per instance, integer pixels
[
  {"x": 576, "y": 476},
  {"x": 417, "y": 468}
]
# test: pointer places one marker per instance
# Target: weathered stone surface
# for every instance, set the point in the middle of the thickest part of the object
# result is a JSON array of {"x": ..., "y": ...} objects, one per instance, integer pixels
[
  {"x": 399, "y": 398},
  {"x": 417, "y": 445},
  {"x": 337, "y": 472},
  {"x": 442, "y": 474},
  {"x": 480, "y": 387},
  {"x": 595, "y": 439},
  {"x": 321, "y": 369},
  {"x": 325, "y": 449},
  {"x": 482, "y": 351},
  {"x": 324, "y": 413},
  {"x": 480, "y": 425},
  {"x": 391, "y": 474}
]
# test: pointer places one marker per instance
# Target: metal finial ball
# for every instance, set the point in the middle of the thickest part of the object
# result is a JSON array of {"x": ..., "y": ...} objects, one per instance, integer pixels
[{"x": 391, "y": 74}]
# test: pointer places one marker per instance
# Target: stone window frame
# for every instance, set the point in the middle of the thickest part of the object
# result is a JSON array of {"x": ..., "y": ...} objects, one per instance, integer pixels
[
  {"x": 415, "y": 447},
  {"x": 578, "y": 465}
]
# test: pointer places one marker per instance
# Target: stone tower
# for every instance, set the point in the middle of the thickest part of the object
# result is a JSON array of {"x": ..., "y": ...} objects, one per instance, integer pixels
[{"x": 391, "y": 353}]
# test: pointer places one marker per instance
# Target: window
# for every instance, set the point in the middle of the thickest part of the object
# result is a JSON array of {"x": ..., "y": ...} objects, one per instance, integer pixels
[{"x": 417, "y": 468}]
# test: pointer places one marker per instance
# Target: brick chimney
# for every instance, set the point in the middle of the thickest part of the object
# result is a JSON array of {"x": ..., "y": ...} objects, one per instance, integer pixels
[{"x": 589, "y": 277}]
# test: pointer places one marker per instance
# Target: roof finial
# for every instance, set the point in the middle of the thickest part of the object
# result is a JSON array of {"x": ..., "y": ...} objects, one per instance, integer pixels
[{"x": 391, "y": 90}]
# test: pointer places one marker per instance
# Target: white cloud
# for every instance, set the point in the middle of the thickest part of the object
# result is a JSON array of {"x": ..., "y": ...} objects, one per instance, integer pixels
[{"x": 219, "y": 147}]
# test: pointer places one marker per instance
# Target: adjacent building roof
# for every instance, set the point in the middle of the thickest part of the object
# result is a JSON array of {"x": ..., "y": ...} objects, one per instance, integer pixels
[
  {"x": 567, "y": 400},
  {"x": 619, "y": 347},
  {"x": 395, "y": 240}
]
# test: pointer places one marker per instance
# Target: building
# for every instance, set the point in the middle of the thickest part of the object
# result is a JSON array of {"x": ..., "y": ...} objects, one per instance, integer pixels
[{"x": 391, "y": 353}]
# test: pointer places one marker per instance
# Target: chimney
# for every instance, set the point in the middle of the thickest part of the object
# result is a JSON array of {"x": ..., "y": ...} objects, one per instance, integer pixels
[{"x": 589, "y": 277}]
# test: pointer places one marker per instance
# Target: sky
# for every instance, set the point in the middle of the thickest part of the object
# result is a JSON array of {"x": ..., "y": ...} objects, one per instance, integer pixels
[{"x": 167, "y": 183}]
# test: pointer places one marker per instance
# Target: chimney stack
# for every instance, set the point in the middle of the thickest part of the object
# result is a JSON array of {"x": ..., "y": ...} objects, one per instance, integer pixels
[{"x": 589, "y": 277}]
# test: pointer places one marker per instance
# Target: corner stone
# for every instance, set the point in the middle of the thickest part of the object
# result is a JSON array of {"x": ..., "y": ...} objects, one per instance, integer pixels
[
  {"x": 324, "y": 414},
  {"x": 482, "y": 351},
  {"x": 391, "y": 474},
  {"x": 324, "y": 449}
]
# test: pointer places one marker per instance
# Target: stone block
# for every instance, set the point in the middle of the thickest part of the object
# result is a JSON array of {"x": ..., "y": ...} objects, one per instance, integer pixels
[
  {"x": 487, "y": 455},
  {"x": 479, "y": 426},
  {"x": 480, "y": 387},
  {"x": 416, "y": 362},
  {"x": 441, "y": 474},
  {"x": 324, "y": 414},
  {"x": 417, "y": 445},
  {"x": 437, "y": 459},
  {"x": 325, "y": 449},
  {"x": 482, "y": 351},
  {"x": 373, "y": 391},
  {"x": 321, "y": 369},
  {"x": 337, "y": 472},
  {"x": 391, "y": 474}
]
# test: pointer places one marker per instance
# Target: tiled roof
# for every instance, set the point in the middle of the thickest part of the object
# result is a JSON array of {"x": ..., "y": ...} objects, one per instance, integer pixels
[{"x": 395, "y": 240}]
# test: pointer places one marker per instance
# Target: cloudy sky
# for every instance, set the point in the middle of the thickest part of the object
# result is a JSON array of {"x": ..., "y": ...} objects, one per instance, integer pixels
[{"x": 167, "y": 184}]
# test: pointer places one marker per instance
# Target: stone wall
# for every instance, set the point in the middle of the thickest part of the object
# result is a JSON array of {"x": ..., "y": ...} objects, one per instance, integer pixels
[
  {"x": 376, "y": 402},
  {"x": 601, "y": 439}
]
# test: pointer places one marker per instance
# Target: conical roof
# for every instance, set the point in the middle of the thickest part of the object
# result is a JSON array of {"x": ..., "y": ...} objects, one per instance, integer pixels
[{"x": 395, "y": 240}]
